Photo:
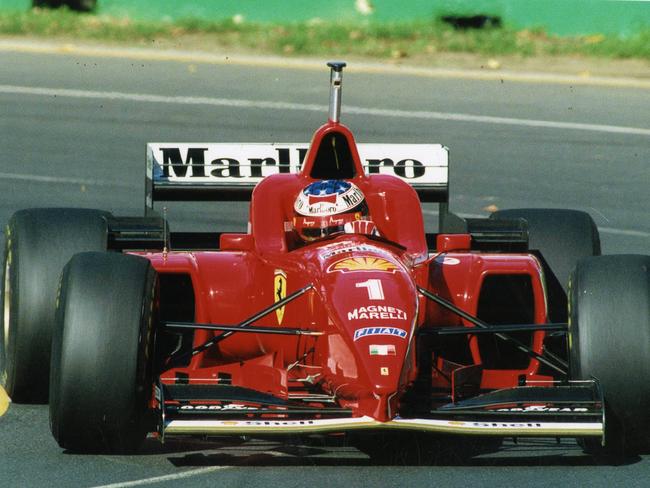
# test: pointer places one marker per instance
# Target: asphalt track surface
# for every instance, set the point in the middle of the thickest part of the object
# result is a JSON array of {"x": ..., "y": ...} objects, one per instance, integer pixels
[{"x": 73, "y": 129}]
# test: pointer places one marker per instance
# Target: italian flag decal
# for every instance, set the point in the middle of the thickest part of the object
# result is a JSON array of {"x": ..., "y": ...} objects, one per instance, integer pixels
[{"x": 382, "y": 350}]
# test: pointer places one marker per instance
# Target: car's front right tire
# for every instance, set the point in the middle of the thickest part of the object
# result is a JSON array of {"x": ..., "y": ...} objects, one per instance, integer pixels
[{"x": 609, "y": 340}]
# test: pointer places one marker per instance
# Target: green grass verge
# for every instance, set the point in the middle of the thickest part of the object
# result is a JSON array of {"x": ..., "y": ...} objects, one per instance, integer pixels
[{"x": 373, "y": 40}]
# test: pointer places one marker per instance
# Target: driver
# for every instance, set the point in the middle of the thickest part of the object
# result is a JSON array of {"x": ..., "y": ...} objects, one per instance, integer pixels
[{"x": 327, "y": 207}]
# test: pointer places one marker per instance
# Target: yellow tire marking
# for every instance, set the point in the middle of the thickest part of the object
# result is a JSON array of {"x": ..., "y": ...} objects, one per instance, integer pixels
[{"x": 4, "y": 401}]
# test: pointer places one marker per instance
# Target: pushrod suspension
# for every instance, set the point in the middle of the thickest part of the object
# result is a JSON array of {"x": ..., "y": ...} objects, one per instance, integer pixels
[
  {"x": 251, "y": 330},
  {"x": 215, "y": 340},
  {"x": 493, "y": 329},
  {"x": 483, "y": 325}
]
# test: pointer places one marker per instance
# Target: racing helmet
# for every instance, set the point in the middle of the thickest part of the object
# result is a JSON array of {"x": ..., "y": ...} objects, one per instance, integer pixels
[{"x": 324, "y": 207}]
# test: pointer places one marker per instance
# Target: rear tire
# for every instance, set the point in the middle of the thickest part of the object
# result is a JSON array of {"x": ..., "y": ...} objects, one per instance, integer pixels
[
  {"x": 562, "y": 237},
  {"x": 102, "y": 353},
  {"x": 38, "y": 243},
  {"x": 609, "y": 339}
]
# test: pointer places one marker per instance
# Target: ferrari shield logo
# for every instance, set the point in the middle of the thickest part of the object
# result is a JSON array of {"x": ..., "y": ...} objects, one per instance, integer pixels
[{"x": 280, "y": 291}]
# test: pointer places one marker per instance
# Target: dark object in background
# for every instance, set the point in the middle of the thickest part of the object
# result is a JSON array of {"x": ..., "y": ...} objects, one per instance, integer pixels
[
  {"x": 80, "y": 5},
  {"x": 472, "y": 21}
]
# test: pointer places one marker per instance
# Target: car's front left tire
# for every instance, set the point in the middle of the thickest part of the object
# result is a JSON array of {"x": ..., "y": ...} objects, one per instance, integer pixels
[{"x": 101, "y": 378}]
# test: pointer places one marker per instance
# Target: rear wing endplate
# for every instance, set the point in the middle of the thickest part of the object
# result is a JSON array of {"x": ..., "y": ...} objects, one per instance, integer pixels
[{"x": 230, "y": 171}]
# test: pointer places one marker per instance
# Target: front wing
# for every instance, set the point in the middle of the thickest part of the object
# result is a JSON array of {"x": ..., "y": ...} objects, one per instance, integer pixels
[{"x": 569, "y": 409}]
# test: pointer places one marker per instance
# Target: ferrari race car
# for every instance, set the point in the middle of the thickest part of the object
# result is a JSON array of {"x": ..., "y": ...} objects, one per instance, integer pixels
[{"x": 336, "y": 313}]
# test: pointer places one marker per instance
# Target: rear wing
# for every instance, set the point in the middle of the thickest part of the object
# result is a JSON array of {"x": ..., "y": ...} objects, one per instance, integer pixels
[{"x": 230, "y": 171}]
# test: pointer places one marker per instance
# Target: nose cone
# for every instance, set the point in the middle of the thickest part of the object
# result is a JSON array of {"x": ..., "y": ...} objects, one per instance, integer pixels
[{"x": 373, "y": 302}]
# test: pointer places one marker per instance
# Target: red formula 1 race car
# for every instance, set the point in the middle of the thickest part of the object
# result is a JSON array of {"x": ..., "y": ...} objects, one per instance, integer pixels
[{"x": 335, "y": 313}]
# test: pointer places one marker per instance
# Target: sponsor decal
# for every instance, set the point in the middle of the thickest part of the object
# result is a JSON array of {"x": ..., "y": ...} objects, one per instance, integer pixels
[
  {"x": 384, "y": 371},
  {"x": 541, "y": 408},
  {"x": 280, "y": 291},
  {"x": 218, "y": 161},
  {"x": 373, "y": 287},
  {"x": 417, "y": 163},
  {"x": 374, "y": 331},
  {"x": 362, "y": 263},
  {"x": 377, "y": 312},
  {"x": 382, "y": 350},
  {"x": 230, "y": 406},
  {"x": 506, "y": 425},
  {"x": 343, "y": 250},
  {"x": 277, "y": 423},
  {"x": 495, "y": 425},
  {"x": 447, "y": 260}
]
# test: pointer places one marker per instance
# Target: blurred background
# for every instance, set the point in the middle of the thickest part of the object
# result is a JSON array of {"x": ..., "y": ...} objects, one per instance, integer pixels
[
  {"x": 564, "y": 17},
  {"x": 415, "y": 31}
]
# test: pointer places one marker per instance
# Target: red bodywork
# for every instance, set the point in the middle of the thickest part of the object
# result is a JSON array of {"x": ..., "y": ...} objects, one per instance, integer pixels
[{"x": 364, "y": 300}]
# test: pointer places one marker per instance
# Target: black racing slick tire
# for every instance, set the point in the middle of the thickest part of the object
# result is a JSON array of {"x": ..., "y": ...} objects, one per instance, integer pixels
[
  {"x": 562, "y": 237},
  {"x": 101, "y": 378},
  {"x": 609, "y": 339},
  {"x": 38, "y": 244}
]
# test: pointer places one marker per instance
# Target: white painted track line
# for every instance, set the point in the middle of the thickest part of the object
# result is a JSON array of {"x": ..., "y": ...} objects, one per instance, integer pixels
[
  {"x": 66, "y": 181},
  {"x": 168, "y": 477},
  {"x": 264, "y": 104}
]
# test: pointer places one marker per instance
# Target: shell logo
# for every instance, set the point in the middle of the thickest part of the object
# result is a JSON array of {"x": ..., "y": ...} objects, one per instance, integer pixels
[{"x": 363, "y": 263}]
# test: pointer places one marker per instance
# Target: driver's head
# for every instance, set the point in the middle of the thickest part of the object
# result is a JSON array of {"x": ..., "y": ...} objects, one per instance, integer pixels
[{"x": 324, "y": 207}]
